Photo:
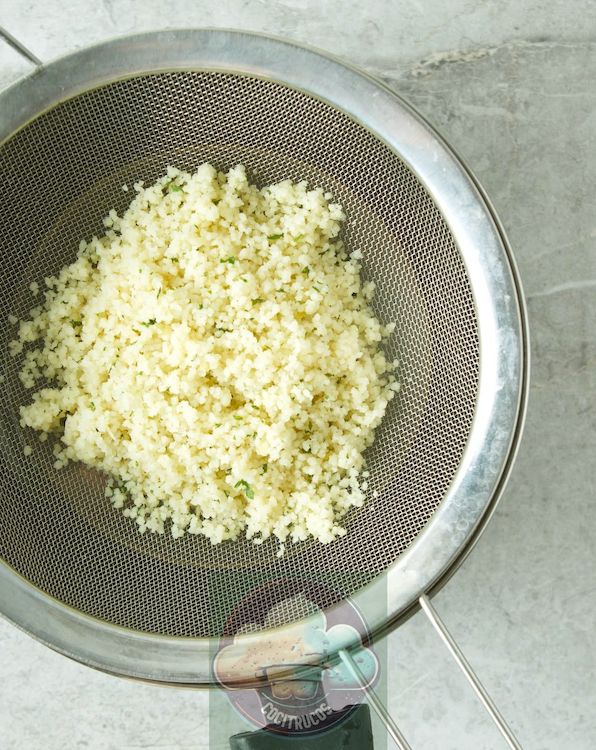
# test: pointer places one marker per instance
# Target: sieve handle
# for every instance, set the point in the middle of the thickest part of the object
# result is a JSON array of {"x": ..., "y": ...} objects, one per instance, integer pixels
[
  {"x": 469, "y": 673},
  {"x": 455, "y": 651},
  {"x": 377, "y": 704},
  {"x": 20, "y": 48}
]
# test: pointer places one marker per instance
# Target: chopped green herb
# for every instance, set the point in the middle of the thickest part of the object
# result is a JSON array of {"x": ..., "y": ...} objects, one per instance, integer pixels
[
  {"x": 172, "y": 188},
  {"x": 92, "y": 406},
  {"x": 264, "y": 468},
  {"x": 298, "y": 237},
  {"x": 231, "y": 260},
  {"x": 274, "y": 237},
  {"x": 215, "y": 201},
  {"x": 306, "y": 270},
  {"x": 237, "y": 417},
  {"x": 316, "y": 288},
  {"x": 258, "y": 301},
  {"x": 76, "y": 323},
  {"x": 244, "y": 280},
  {"x": 248, "y": 490},
  {"x": 174, "y": 260},
  {"x": 159, "y": 291},
  {"x": 150, "y": 322}
]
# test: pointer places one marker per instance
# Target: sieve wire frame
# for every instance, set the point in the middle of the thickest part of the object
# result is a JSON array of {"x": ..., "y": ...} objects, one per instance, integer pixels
[{"x": 496, "y": 288}]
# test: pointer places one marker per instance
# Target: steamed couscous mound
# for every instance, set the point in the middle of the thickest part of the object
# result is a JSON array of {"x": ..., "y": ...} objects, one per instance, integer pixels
[{"x": 215, "y": 355}]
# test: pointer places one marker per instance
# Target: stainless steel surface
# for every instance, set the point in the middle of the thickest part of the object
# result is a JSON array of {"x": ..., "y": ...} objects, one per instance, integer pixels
[
  {"x": 469, "y": 673},
  {"x": 429, "y": 241},
  {"x": 392, "y": 729},
  {"x": 19, "y": 47}
]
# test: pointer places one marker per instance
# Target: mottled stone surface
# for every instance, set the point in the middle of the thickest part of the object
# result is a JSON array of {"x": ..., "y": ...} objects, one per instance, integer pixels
[
  {"x": 513, "y": 87},
  {"x": 523, "y": 605}
]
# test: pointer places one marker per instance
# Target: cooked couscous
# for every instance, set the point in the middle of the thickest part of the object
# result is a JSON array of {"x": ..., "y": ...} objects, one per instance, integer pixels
[{"x": 215, "y": 355}]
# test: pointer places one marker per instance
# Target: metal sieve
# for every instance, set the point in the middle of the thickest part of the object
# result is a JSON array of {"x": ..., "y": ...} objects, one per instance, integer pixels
[{"x": 73, "y": 571}]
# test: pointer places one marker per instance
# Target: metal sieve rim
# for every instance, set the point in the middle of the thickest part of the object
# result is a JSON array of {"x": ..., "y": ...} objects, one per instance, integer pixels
[{"x": 495, "y": 285}]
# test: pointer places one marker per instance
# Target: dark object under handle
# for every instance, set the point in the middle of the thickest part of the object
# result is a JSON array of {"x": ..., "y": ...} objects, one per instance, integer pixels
[{"x": 352, "y": 733}]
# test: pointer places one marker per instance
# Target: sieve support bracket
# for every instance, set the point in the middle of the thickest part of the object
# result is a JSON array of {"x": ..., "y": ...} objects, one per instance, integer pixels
[
  {"x": 375, "y": 702},
  {"x": 461, "y": 661},
  {"x": 20, "y": 47},
  {"x": 469, "y": 673}
]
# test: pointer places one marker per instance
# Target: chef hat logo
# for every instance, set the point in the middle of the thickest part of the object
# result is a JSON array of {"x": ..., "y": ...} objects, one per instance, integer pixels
[{"x": 304, "y": 644}]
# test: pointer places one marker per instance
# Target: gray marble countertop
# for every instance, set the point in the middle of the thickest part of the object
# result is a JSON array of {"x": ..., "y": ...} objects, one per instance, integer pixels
[{"x": 512, "y": 86}]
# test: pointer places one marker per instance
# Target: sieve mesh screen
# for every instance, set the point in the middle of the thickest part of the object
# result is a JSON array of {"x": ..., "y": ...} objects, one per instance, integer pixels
[{"x": 60, "y": 176}]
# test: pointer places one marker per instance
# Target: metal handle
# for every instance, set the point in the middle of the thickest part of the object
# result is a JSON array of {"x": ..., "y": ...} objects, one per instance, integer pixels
[
  {"x": 469, "y": 673},
  {"x": 375, "y": 701},
  {"x": 462, "y": 663},
  {"x": 20, "y": 48}
]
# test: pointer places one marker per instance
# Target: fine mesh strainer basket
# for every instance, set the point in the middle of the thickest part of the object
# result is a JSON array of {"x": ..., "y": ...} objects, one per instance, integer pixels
[{"x": 73, "y": 571}]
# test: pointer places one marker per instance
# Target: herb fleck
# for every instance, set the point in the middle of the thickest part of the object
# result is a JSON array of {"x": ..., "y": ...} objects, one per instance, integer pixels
[
  {"x": 306, "y": 270},
  {"x": 264, "y": 468},
  {"x": 231, "y": 260},
  {"x": 274, "y": 237},
  {"x": 258, "y": 301},
  {"x": 150, "y": 322},
  {"x": 76, "y": 323},
  {"x": 248, "y": 490}
]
